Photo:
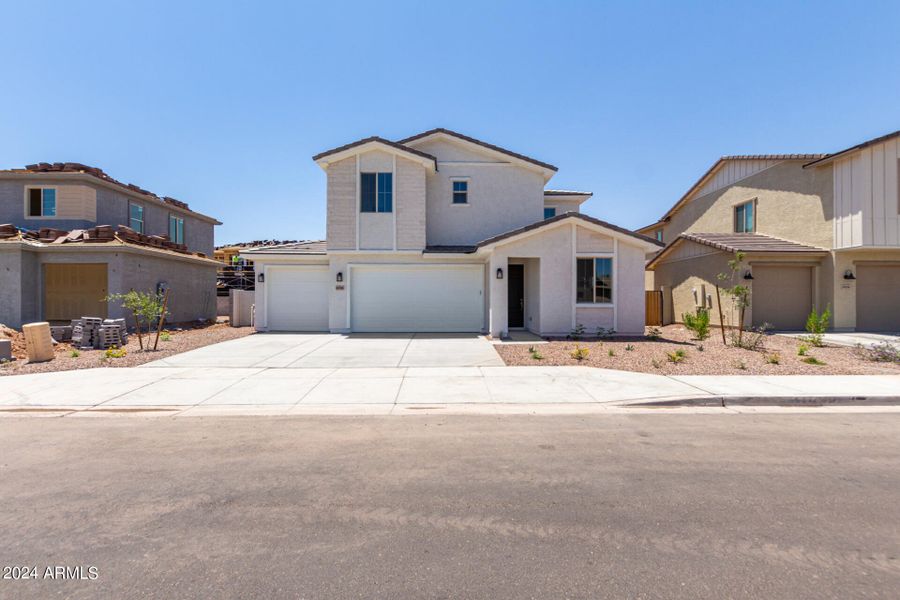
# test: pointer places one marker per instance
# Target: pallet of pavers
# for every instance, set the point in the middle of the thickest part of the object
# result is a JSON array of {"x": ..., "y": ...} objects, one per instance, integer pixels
[
  {"x": 123, "y": 330},
  {"x": 90, "y": 332}
]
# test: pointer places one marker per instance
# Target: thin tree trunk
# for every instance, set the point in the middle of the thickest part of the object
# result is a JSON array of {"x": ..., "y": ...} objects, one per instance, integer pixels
[
  {"x": 721, "y": 318},
  {"x": 162, "y": 318},
  {"x": 137, "y": 326}
]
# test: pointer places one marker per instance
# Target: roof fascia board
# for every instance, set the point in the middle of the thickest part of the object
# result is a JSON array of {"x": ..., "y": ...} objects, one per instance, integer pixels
[
  {"x": 326, "y": 161},
  {"x": 568, "y": 220}
]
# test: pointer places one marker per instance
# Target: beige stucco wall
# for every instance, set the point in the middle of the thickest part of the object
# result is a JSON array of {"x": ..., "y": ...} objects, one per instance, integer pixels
[
  {"x": 792, "y": 203},
  {"x": 341, "y": 212},
  {"x": 844, "y": 291}
]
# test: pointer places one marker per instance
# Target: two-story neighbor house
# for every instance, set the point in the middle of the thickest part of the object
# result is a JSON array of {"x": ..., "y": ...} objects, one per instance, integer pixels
[
  {"x": 441, "y": 232},
  {"x": 71, "y": 234},
  {"x": 816, "y": 230}
]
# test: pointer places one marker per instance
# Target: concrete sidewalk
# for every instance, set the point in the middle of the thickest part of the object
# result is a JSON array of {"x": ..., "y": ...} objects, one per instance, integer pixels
[{"x": 199, "y": 391}]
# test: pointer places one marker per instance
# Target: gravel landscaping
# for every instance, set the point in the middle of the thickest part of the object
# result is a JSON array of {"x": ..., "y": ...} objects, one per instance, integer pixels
[
  {"x": 181, "y": 339},
  {"x": 709, "y": 357}
]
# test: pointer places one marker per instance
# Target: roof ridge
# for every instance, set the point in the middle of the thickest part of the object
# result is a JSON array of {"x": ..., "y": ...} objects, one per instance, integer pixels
[
  {"x": 378, "y": 139},
  {"x": 478, "y": 142}
]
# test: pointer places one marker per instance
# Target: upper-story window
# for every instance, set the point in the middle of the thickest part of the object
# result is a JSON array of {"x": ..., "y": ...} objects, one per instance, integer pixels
[
  {"x": 376, "y": 192},
  {"x": 745, "y": 217},
  {"x": 176, "y": 229},
  {"x": 549, "y": 212},
  {"x": 595, "y": 281},
  {"x": 136, "y": 217},
  {"x": 41, "y": 202},
  {"x": 460, "y": 192},
  {"x": 659, "y": 235}
]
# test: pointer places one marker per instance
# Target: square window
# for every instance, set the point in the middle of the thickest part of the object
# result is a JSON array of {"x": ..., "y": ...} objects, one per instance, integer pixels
[
  {"x": 549, "y": 212},
  {"x": 594, "y": 284},
  {"x": 376, "y": 192},
  {"x": 41, "y": 202},
  {"x": 460, "y": 192}
]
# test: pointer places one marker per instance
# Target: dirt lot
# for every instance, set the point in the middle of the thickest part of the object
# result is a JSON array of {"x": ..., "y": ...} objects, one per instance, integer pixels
[
  {"x": 707, "y": 358},
  {"x": 181, "y": 339}
]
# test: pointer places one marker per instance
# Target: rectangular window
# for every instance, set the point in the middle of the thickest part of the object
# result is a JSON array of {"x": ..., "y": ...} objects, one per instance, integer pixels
[
  {"x": 659, "y": 235},
  {"x": 376, "y": 192},
  {"x": 744, "y": 219},
  {"x": 594, "y": 281},
  {"x": 41, "y": 202},
  {"x": 136, "y": 217},
  {"x": 549, "y": 212},
  {"x": 176, "y": 229},
  {"x": 460, "y": 192}
]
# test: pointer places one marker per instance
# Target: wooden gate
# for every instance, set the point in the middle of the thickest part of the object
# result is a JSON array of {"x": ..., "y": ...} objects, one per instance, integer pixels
[{"x": 653, "y": 306}]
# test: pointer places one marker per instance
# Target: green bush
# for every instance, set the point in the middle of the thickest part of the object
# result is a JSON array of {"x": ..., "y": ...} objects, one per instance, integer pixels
[
  {"x": 802, "y": 350},
  {"x": 698, "y": 323},
  {"x": 579, "y": 353},
  {"x": 677, "y": 356},
  {"x": 812, "y": 360},
  {"x": 817, "y": 325}
]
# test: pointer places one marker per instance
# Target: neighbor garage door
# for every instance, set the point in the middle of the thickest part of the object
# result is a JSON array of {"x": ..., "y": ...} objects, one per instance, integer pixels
[
  {"x": 72, "y": 291},
  {"x": 297, "y": 298},
  {"x": 781, "y": 296},
  {"x": 878, "y": 298},
  {"x": 417, "y": 298}
]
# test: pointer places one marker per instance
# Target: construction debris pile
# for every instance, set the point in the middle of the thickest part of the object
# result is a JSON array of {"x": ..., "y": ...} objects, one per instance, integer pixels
[{"x": 94, "y": 235}]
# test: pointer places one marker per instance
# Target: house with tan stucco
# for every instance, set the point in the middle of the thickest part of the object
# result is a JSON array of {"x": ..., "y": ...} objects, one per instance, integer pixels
[
  {"x": 442, "y": 232},
  {"x": 816, "y": 230}
]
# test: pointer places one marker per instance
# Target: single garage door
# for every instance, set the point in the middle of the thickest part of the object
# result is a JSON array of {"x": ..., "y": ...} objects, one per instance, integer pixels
[
  {"x": 424, "y": 298},
  {"x": 72, "y": 291},
  {"x": 782, "y": 296},
  {"x": 297, "y": 298},
  {"x": 878, "y": 298}
]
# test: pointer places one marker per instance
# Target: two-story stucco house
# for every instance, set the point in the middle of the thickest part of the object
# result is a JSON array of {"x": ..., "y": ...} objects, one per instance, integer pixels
[
  {"x": 441, "y": 232},
  {"x": 70, "y": 235},
  {"x": 817, "y": 230}
]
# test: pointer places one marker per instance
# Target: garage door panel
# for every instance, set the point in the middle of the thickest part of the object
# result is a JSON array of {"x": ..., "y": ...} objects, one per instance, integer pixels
[
  {"x": 297, "y": 298},
  {"x": 878, "y": 298},
  {"x": 426, "y": 299},
  {"x": 72, "y": 291},
  {"x": 781, "y": 296}
]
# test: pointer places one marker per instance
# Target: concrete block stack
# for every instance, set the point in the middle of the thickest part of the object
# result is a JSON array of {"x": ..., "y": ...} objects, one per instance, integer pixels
[
  {"x": 61, "y": 333},
  {"x": 113, "y": 333},
  {"x": 90, "y": 332}
]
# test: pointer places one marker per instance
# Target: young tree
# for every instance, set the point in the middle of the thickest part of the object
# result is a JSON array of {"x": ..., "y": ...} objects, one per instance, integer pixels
[
  {"x": 147, "y": 307},
  {"x": 740, "y": 294}
]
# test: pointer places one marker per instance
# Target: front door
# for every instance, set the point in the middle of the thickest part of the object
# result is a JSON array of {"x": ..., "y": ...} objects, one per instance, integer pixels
[{"x": 515, "y": 301}]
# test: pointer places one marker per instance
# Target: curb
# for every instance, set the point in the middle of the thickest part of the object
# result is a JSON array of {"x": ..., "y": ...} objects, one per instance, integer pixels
[{"x": 811, "y": 401}]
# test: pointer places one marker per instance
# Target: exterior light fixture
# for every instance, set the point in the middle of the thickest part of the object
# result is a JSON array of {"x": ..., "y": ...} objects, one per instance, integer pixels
[
  {"x": 499, "y": 273},
  {"x": 339, "y": 278},
  {"x": 261, "y": 278},
  {"x": 748, "y": 275},
  {"x": 848, "y": 274}
]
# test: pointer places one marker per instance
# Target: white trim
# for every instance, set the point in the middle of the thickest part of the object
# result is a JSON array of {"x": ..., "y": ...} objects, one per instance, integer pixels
[
  {"x": 42, "y": 217},
  {"x": 358, "y": 199},
  {"x": 574, "y": 231},
  {"x": 326, "y": 162},
  {"x": 615, "y": 282},
  {"x": 573, "y": 219},
  {"x": 393, "y": 197}
]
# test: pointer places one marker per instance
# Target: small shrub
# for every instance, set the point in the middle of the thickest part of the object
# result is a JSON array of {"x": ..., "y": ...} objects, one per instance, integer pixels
[
  {"x": 752, "y": 339},
  {"x": 653, "y": 333},
  {"x": 577, "y": 332},
  {"x": 579, "y": 353},
  {"x": 677, "y": 356},
  {"x": 773, "y": 359},
  {"x": 629, "y": 348},
  {"x": 611, "y": 352},
  {"x": 535, "y": 354},
  {"x": 165, "y": 336},
  {"x": 741, "y": 365},
  {"x": 812, "y": 360},
  {"x": 115, "y": 352},
  {"x": 816, "y": 325},
  {"x": 603, "y": 333},
  {"x": 881, "y": 352},
  {"x": 698, "y": 323},
  {"x": 75, "y": 353},
  {"x": 656, "y": 364},
  {"x": 802, "y": 350}
]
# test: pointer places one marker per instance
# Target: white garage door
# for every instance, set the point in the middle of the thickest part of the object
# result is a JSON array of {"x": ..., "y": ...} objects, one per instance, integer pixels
[
  {"x": 297, "y": 298},
  {"x": 425, "y": 298}
]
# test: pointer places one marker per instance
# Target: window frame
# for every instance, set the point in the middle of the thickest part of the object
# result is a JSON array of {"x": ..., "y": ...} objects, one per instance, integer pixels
[
  {"x": 734, "y": 215},
  {"x": 546, "y": 216},
  {"x": 659, "y": 236},
  {"x": 379, "y": 194},
  {"x": 453, "y": 192},
  {"x": 42, "y": 216},
  {"x": 131, "y": 219},
  {"x": 612, "y": 280},
  {"x": 178, "y": 221}
]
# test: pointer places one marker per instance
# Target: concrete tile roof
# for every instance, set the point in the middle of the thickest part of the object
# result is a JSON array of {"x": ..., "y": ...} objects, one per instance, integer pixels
[{"x": 741, "y": 242}]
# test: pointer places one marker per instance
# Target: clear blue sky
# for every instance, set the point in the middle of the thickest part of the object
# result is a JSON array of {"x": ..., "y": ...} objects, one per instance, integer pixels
[{"x": 222, "y": 104}]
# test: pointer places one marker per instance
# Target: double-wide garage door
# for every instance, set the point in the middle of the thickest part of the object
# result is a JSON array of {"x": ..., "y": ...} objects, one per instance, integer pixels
[
  {"x": 424, "y": 298},
  {"x": 878, "y": 298}
]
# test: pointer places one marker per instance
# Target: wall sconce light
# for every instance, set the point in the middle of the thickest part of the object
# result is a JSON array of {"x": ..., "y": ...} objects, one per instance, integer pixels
[
  {"x": 848, "y": 274},
  {"x": 261, "y": 278},
  {"x": 340, "y": 277},
  {"x": 499, "y": 273},
  {"x": 748, "y": 275}
]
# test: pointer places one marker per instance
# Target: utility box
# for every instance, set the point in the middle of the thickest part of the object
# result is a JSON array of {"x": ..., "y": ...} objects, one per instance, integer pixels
[{"x": 38, "y": 343}]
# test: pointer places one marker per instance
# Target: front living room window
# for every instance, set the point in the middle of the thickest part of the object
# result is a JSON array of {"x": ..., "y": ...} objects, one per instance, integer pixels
[
  {"x": 376, "y": 193},
  {"x": 745, "y": 217},
  {"x": 41, "y": 202},
  {"x": 595, "y": 282}
]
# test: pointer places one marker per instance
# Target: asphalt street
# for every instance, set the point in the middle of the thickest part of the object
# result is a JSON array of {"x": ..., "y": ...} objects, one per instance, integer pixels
[{"x": 598, "y": 506}]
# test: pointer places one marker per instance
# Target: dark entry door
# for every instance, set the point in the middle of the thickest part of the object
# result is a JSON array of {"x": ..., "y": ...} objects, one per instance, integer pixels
[{"x": 515, "y": 302}]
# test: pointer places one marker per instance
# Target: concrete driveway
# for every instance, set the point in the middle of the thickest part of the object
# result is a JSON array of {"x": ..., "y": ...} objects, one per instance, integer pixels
[{"x": 334, "y": 351}]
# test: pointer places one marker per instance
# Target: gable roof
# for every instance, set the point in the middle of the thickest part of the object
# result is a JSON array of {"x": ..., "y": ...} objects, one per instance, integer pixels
[
  {"x": 377, "y": 140},
  {"x": 562, "y": 193},
  {"x": 740, "y": 242},
  {"x": 828, "y": 158},
  {"x": 714, "y": 169},
  {"x": 471, "y": 140}
]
